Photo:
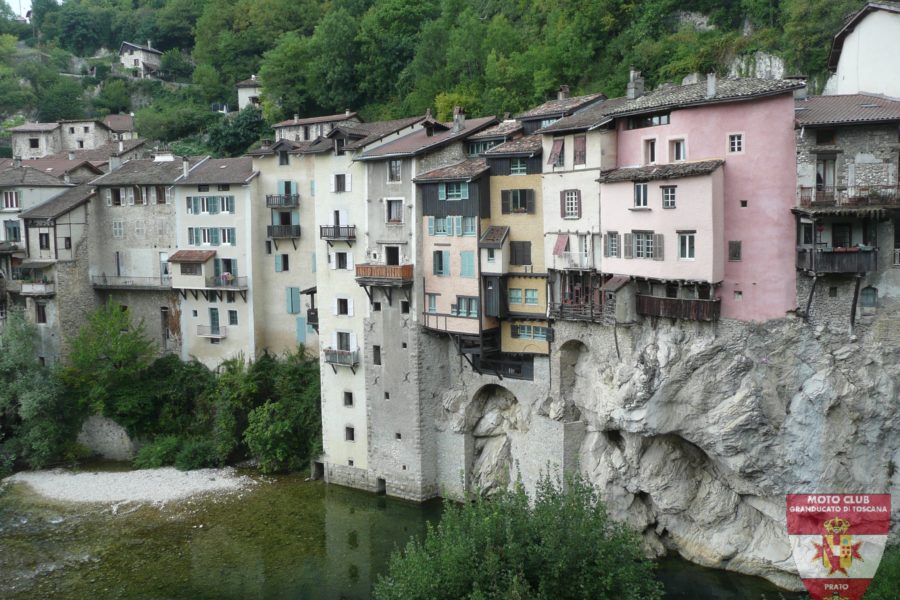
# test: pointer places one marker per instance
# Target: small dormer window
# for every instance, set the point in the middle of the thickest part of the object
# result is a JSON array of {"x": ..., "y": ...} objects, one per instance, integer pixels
[
  {"x": 339, "y": 145},
  {"x": 282, "y": 157}
]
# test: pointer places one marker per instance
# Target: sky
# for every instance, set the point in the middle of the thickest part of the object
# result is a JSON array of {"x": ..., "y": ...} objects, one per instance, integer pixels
[{"x": 20, "y": 7}]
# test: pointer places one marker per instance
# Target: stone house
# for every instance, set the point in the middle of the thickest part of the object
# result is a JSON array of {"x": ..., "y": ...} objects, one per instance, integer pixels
[
  {"x": 310, "y": 128},
  {"x": 140, "y": 61},
  {"x": 249, "y": 93},
  {"x": 69, "y": 171},
  {"x": 37, "y": 140}
]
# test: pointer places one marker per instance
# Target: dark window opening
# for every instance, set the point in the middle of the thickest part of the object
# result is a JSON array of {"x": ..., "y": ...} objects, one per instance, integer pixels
[
  {"x": 348, "y": 398},
  {"x": 376, "y": 355},
  {"x": 404, "y": 307}
]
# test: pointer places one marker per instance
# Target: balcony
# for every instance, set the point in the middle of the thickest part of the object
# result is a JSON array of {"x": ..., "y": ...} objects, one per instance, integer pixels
[
  {"x": 384, "y": 275},
  {"x": 577, "y": 312},
  {"x": 574, "y": 260},
  {"x": 124, "y": 282},
  {"x": 839, "y": 260},
  {"x": 452, "y": 322},
  {"x": 342, "y": 358},
  {"x": 849, "y": 196},
  {"x": 335, "y": 233},
  {"x": 227, "y": 282},
  {"x": 38, "y": 289},
  {"x": 282, "y": 231},
  {"x": 282, "y": 200},
  {"x": 679, "y": 308},
  {"x": 217, "y": 332}
]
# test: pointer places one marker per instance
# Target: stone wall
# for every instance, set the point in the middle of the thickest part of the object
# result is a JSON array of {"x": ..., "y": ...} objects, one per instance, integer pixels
[
  {"x": 75, "y": 299},
  {"x": 107, "y": 438}
]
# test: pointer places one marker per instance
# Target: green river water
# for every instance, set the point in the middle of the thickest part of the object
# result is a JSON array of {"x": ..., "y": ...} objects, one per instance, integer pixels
[{"x": 284, "y": 538}]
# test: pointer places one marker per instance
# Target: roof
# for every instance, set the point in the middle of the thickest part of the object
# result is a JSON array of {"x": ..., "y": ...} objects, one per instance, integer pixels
[
  {"x": 269, "y": 148},
  {"x": 119, "y": 122},
  {"x": 465, "y": 171},
  {"x": 560, "y": 106},
  {"x": 253, "y": 82},
  {"x": 419, "y": 141},
  {"x": 101, "y": 153},
  {"x": 837, "y": 44},
  {"x": 846, "y": 109},
  {"x": 494, "y": 236},
  {"x": 502, "y": 130},
  {"x": 139, "y": 47},
  {"x": 523, "y": 146},
  {"x": 34, "y": 127},
  {"x": 145, "y": 172},
  {"x": 657, "y": 172},
  {"x": 61, "y": 204},
  {"x": 694, "y": 94},
  {"x": 589, "y": 117},
  {"x": 192, "y": 256},
  {"x": 58, "y": 167},
  {"x": 220, "y": 170},
  {"x": 28, "y": 177},
  {"x": 313, "y": 120},
  {"x": 615, "y": 283}
]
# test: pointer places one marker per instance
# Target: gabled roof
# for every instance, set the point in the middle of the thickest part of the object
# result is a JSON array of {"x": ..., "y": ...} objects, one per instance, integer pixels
[
  {"x": 461, "y": 171},
  {"x": 845, "y": 110},
  {"x": 494, "y": 236},
  {"x": 660, "y": 172},
  {"x": 100, "y": 153},
  {"x": 221, "y": 170},
  {"x": 524, "y": 146},
  {"x": 837, "y": 44},
  {"x": 61, "y": 204},
  {"x": 344, "y": 116},
  {"x": 587, "y": 118},
  {"x": 419, "y": 141},
  {"x": 560, "y": 106},
  {"x": 362, "y": 134},
  {"x": 502, "y": 130},
  {"x": 58, "y": 167},
  {"x": 145, "y": 172},
  {"x": 119, "y": 122},
  {"x": 270, "y": 148},
  {"x": 253, "y": 82},
  {"x": 34, "y": 128},
  {"x": 192, "y": 256},
  {"x": 28, "y": 177},
  {"x": 139, "y": 47}
]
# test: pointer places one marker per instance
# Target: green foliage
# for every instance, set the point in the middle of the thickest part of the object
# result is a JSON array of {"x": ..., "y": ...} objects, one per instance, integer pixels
[
  {"x": 564, "y": 546},
  {"x": 176, "y": 65},
  {"x": 198, "y": 453},
  {"x": 887, "y": 578},
  {"x": 159, "y": 453},
  {"x": 61, "y": 100},
  {"x": 172, "y": 119},
  {"x": 233, "y": 135},
  {"x": 114, "y": 97}
]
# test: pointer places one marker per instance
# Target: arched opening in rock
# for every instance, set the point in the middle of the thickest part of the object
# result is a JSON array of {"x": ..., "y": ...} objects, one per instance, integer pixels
[
  {"x": 493, "y": 413},
  {"x": 614, "y": 437}
]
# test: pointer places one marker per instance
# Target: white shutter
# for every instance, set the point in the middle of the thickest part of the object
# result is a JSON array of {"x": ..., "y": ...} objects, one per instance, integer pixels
[
  {"x": 349, "y": 261},
  {"x": 334, "y": 306},
  {"x": 129, "y": 195},
  {"x": 349, "y": 307},
  {"x": 342, "y": 218},
  {"x": 352, "y": 341},
  {"x": 333, "y": 182},
  {"x": 153, "y": 194},
  {"x": 169, "y": 193},
  {"x": 334, "y": 339},
  {"x": 332, "y": 261},
  {"x": 349, "y": 186},
  {"x": 107, "y": 194}
]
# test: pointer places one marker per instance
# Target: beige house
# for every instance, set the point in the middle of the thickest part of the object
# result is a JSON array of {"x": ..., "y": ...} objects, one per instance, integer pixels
[{"x": 311, "y": 128}]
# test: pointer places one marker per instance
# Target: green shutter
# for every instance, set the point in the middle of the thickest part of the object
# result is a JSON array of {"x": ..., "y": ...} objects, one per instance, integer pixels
[
  {"x": 214, "y": 236},
  {"x": 233, "y": 235},
  {"x": 442, "y": 191},
  {"x": 430, "y": 225},
  {"x": 464, "y": 190},
  {"x": 295, "y": 217},
  {"x": 467, "y": 260},
  {"x": 278, "y": 263},
  {"x": 458, "y": 225},
  {"x": 301, "y": 330},
  {"x": 313, "y": 262},
  {"x": 446, "y": 261}
]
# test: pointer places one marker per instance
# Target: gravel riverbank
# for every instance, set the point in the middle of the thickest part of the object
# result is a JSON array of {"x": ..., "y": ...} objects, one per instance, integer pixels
[{"x": 157, "y": 486}]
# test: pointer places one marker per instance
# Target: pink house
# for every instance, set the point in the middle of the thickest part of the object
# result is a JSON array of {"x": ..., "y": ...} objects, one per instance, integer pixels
[{"x": 697, "y": 210}]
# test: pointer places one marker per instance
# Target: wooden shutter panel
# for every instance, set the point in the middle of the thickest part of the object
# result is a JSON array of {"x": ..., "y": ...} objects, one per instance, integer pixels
[
  {"x": 289, "y": 305},
  {"x": 529, "y": 201},
  {"x": 526, "y": 252},
  {"x": 446, "y": 261},
  {"x": 108, "y": 195},
  {"x": 435, "y": 262},
  {"x": 348, "y": 180},
  {"x": 458, "y": 225},
  {"x": 578, "y": 202},
  {"x": 605, "y": 245},
  {"x": 513, "y": 330},
  {"x": 278, "y": 263},
  {"x": 658, "y": 247},
  {"x": 442, "y": 191},
  {"x": 504, "y": 202},
  {"x": 562, "y": 204},
  {"x": 464, "y": 190},
  {"x": 628, "y": 245},
  {"x": 618, "y": 253}
]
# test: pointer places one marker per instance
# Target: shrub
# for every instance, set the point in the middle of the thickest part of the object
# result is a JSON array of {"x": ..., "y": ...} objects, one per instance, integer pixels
[
  {"x": 887, "y": 579},
  {"x": 160, "y": 452},
  {"x": 197, "y": 453}
]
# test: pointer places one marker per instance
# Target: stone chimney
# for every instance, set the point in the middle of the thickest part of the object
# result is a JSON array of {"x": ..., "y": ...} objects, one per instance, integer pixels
[
  {"x": 185, "y": 166},
  {"x": 114, "y": 162},
  {"x": 66, "y": 178},
  {"x": 17, "y": 162},
  {"x": 121, "y": 146},
  {"x": 459, "y": 119},
  {"x": 635, "y": 88},
  {"x": 70, "y": 155},
  {"x": 711, "y": 85},
  {"x": 296, "y": 117},
  {"x": 149, "y": 45},
  {"x": 563, "y": 92}
]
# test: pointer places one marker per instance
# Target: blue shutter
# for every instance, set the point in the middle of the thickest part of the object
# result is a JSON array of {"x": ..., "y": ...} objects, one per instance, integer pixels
[
  {"x": 301, "y": 330},
  {"x": 467, "y": 261},
  {"x": 294, "y": 187},
  {"x": 233, "y": 235},
  {"x": 214, "y": 236},
  {"x": 295, "y": 299},
  {"x": 458, "y": 225},
  {"x": 289, "y": 298},
  {"x": 212, "y": 203},
  {"x": 230, "y": 204},
  {"x": 278, "y": 263},
  {"x": 430, "y": 225},
  {"x": 295, "y": 217},
  {"x": 442, "y": 191},
  {"x": 464, "y": 190},
  {"x": 446, "y": 261},
  {"x": 191, "y": 236},
  {"x": 198, "y": 206}
]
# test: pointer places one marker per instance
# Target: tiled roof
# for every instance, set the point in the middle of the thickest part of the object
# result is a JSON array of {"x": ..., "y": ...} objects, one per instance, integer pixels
[
  {"x": 503, "y": 130},
  {"x": 694, "y": 94},
  {"x": 271, "y": 148},
  {"x": 36, "y": 127},
  {"x": 57, "y": 167},
  {"x": 61, "y": 204},
  {"x": 837, "y": 44},
  {"x": 494, "y": 236},
  {"x": 101, "y": 153},
  {"x": 419, "y": 141},
  {"x": 560, "y": 106},
  {"x": 658, "y": 172},
  {"x": 119, "y": 122},
  {"x": 28, "y": 176},
  {"x": 615, "y": 283},
  {"x": 465, "y": 170},
  {"x": 586, "y": 118},
  {"x": 192, "y": 256},
  {"x": 313, "y": 120},
  {"x": 145, "y": 172},
  {"x": 139, "y": 47},
  {"x": 527, "y": 146},
  {"x": 851, "y": 108},
  {"x": 249, "y": 83},
  {"x": 220, "y": 170},
  {"x": 365, "y": 134}
]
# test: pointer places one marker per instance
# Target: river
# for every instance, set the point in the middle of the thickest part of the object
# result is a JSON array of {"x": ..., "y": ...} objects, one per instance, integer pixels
[{"x": 285, "y": 538}]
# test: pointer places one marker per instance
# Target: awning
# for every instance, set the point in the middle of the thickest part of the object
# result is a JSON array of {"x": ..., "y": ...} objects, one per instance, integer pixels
[
  {"x": 562, "y": 242},
  {"x": 555, "y": 151},
  {"x": 309, "y": 291},
  {"x": 615, "y": 283},
  {"x": 36, "y": 264},
  {"x": 192, "y": 256}
]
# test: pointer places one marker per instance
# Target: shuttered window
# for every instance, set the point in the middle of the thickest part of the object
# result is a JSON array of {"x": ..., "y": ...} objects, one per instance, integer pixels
[
  {"x": 580, "y": 149},
  {"x": 293, "y": 300},
  {"x": 467, "y": 264},
  {"x": 440, "y": 263},
  {"x": 734, "y": 251},
  {"x": 611, "y": 248},
  {"x": 520, "y": 253},
  {"x": 570, "y": 204},
  {"x": 556, "y": 157},
  {"x": 517, "y": 201}
]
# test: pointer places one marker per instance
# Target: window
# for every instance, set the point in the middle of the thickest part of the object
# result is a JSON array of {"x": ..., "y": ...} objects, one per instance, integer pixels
[
  {"x": 518, "y": 201},
  {"x": 743, "y": 204},
  {"x": 649, "y": 152},
  {"x": 115, "y": 197},
  {"x": 580, "y": 149},
  {"x": 736, "y": 142},
  {"x": 348, "y": 398},
  {"x": 640, "y": 195},
  {"x": 841, "y": 234},
  {"x": 283, "y": 158},
  {"x": 191, "y": 269},
  {"x": 734, "y": 251},
  {"x": 528, "y": 332},
  {"x": 825, "y": 173},
  {"x": 118, "y": 229},
  {"x": 34, "y": 143},
  {"x": 466, "y": 306},
  {"x": 441, "y": 263},
  {"x": 228, "y": 235},
  {"x": 340, "y": 182},
  {"x": 478, "y": 148},
  {"x": 67, "y": 243},
  {"x": 80, "y": 143},
  {"x": 268, "y": 247},
  {"x": 531, "y": 296},
  {"x": 339, "y": 146},
  {"x": 440, "y": 226},
  {"x": 686, "y": 245},
  {"x": 87, "y": 129},
  {"x": 456, "y": 191},
  {"x": 232, "y": 317},
  {"x": 343, "y": 340},
  {"x": 340, "y": 259},
  {"x": 469, "y": 225},
  {"x": 668, "y": 196},
  {"x": 140, "y": 228},
  {"x": 394, "y": 210},
  {"x": 394, "y": 171},
  {"x": 404, "y": 309},
  {"x": 282, "y": 263},
  {"x": 376, "y": 355},
  {"x": 490, "y": 255},
  {"x": 229, "y": 298},
  {"x": 677, "y": 150},
  {"x": 643, "y": 244},
  {"x": 648, "y": 121},
  {"x": 71, "y": 130},
  {"x": 343, "y": 306},
  {"x": 520, "y": 253},
  {"x": 548, "y": 122},
  {"x": 518, "y": 166},
  {"x": 515, "y": 295},
  {"x": 13, "y": 233},
  {"x": 825, "y": 137},
  {"x": 44, "y": 241},
  {"x": 224, "y": 187},
  {"x": 203, "y": 187},
  {"x": 557, "y": 153},
  {"x": 10, "y": 199},
  {"x": 40, "y": 312},
  {"x": 431, "y": 302},
  {"x": 349, "y": 434},
  {"x": 571, "y": 204},
  {"x": 467, "y": 264}
]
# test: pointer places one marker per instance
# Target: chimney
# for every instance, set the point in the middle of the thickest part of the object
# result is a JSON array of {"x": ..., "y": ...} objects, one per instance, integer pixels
[
  {"x": 347, "y": 112},
  {"x": 296, "y": 117},
  {"x": 71, "y": 155},
  {"x": 149, "y": 45},
  {"x": 121, "y": 146},
  {"x": 711, "y": 85},
  {"x": 253, "y": 78},
  {"x": 459, "y": 119},
  {"x": 185, "y": 166},
  {"x": 563, "y": 92},
  {"x": 635, "y": 88},
  {"x": 17, "y": 161},
  {"x": 66, "y": 178},
  {"x": 114, "y": 162}
]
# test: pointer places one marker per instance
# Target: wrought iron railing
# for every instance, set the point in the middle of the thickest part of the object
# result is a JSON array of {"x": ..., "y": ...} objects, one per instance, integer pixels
[
  {"x": 346, "y": 358},
  {"x": 337, "y": 232},
  {"x": 282, "y": 200},
  {"x": 283, "y": 231}
]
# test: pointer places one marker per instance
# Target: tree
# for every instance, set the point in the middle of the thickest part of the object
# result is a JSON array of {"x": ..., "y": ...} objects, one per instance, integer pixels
[
  {"x": 176, "y": 65},
  {"x": 564, "y": 546},
  {"x": 61, "y": 100},
  {"x": 233, "y": 135},
  {"x": 287, "y": 87},
  {"x": 114, "y": 97}
]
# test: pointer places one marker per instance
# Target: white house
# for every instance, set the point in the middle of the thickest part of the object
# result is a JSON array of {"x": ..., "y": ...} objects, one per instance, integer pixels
[
  {"x": 864, "y": 52},
  {"x": 142, "y": 61}
]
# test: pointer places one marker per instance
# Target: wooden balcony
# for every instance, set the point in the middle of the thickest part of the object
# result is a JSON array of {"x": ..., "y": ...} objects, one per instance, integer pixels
[
  {"x": 848, "y": 261},
  {"x": 384, "y": 275},
  {"x": 341, "y": 358},
  {"x": 577, "y": 312},
  {"x": 335, "y": 233},
  {"x": 124, "y": 282},
  {"x": 227, "y": 282},
  {"x": 849, "y": 196},
  {"x": 282, "y": 200},
  {"x": 212, "y": 331},
  {"x": 679, "y": 308},
  {"x": 282, "y": 231}
]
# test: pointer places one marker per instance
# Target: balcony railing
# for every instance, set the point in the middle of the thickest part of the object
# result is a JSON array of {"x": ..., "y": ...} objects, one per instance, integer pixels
[
  {"x": 337, "y": 233},
  {"x": 853, "y": 195},
  {"x": 577, "y": 312},
  {"x": 283, "y": 231},
  {"x": 38, "y": 289},
  {"x": 574, "y": 260},
  {"x": 374, "y": 274},
  {"x": 212, "y": 331},
  {"x": 227, "y": 282},
  {"x": 126, "y": 282},
  {"x": 679, "y": 308},
  {"x": 282, "y": 200},
  {"x": 344, "y": 358},
  {"x": 843, "y": 260}
]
